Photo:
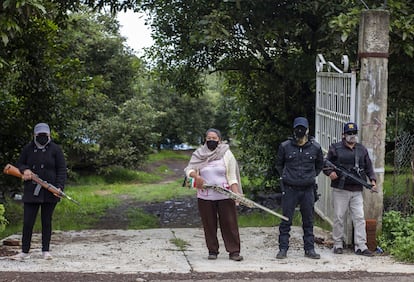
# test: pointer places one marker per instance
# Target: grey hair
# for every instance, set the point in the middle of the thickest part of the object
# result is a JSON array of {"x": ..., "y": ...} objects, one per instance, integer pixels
[{"x": 215, "y": 131}]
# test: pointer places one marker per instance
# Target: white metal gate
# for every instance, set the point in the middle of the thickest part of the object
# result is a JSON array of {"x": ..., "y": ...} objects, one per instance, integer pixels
[{"x": 336, "y": 104}]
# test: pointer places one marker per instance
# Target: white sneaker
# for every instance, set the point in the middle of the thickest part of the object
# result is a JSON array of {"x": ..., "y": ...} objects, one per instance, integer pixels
[
  {"x": 47, "y": 255},
  {"x": 20, "y": 256}
]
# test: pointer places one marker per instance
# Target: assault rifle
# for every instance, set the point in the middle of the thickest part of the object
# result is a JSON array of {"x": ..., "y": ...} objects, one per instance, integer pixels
[
  {"x": 345, "y": 173},
  {"x": 14, "y": 171},
  {"x": 247, "y": 202}
]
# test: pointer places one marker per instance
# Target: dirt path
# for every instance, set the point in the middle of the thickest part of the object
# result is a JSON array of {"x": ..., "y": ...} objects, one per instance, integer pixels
[{"x": 177, "y": 213}]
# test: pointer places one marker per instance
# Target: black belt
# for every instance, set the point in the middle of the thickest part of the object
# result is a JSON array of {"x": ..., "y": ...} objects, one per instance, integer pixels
[{"x": 299, "y": 188}]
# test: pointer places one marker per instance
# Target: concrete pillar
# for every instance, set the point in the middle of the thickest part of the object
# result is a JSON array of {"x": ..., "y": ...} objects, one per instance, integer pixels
[{"x": 373, "y": 46}]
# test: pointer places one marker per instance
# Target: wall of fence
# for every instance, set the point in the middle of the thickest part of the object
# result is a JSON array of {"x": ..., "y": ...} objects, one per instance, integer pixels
[{"x": 400, "y": 196}]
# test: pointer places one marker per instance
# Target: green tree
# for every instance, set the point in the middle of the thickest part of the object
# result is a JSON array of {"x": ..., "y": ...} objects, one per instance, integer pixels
[
  {"x": 104, "y": 128},
  {"x": 30, "y": 85},
  {"x": 184, "y": 118},
  {"x": 401, "y": 70},
  {"x": 267, "y": 51},
  {"x": 78, "y": 77},
  {"x": 125, "y": 138}
]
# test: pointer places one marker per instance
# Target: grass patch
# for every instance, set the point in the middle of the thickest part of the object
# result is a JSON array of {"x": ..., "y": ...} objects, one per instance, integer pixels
[
  {"x": 261, "y": 219},
  {"x": 122, "y": 175},
  {"x": 397, "y": 185},
  {"x": 180, "y": 243},
  {"x": 168, "y": 155},
  {"x": 94, "y": 201},
  {"x": 258, "y": 219},
  {"x": 93, "y": 205},
  {"x": 88, "y": 180},
  {"x": 148, "y": 192},
  {"x": 138, "y": 219},
  {"x": 164, "y": 170}
]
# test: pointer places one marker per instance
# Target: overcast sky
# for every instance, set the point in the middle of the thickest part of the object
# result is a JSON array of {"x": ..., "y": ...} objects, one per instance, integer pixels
[{"x": 132, "y": 27}]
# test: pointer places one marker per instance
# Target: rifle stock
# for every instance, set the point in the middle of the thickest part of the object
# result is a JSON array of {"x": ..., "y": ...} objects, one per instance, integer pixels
[{"x": 14, "y": 171}]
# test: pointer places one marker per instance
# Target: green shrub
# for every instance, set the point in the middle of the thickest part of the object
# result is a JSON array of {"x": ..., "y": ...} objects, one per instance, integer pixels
[
  {"x": 13, "y": 214},
  {"x": 397, "y": 236},
  {"x": 3, "y": 221},
  {"x": 118, "y": 174}
]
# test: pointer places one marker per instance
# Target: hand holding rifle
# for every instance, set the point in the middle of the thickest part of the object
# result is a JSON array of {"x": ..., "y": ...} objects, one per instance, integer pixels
[
  {"x": 190, "y": 182},
  {"x": 29, "y": 175},
  {"x": 344, "y": 173}
]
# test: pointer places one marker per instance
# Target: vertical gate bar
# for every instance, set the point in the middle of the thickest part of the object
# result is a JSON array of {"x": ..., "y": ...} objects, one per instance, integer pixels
[{"x": 336, "y": 104}]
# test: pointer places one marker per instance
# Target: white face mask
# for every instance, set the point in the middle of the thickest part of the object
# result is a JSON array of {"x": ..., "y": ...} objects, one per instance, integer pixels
[{"x": 352, "y": 139}]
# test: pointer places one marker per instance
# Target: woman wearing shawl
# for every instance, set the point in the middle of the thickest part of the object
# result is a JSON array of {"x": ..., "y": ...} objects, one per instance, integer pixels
[{"x": 215, "y": 164}]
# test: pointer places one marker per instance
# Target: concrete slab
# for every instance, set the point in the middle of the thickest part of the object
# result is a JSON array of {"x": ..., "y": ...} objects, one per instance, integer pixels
[{"x": 182, "y": 250}]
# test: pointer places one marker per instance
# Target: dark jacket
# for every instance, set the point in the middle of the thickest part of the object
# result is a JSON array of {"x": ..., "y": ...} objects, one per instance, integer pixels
[
  {"x": 345, "y": 157},
  {"x": 49, "y": 165},
  {"x": 299, "y": 165}
]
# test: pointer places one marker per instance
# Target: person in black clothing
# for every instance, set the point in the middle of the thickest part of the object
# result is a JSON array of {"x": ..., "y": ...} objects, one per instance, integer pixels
[
  {"x": 44, "y": 158},
  {"x": 346, "y": 193},
  {"x": 299, "y": 161}
]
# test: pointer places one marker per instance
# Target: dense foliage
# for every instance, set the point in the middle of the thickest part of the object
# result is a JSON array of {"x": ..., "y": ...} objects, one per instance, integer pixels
[
  {"x": 266, "y": 51},
  {"x": 104, "y": 107},
  {"x": 3, "y": 220},
  {"x": 397, "y": 236},
  {"x": 75, "y": 77},
  {"x": 400, "y": 67}
]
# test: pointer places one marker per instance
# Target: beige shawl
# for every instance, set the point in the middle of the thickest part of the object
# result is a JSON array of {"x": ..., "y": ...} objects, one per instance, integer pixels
[{"x": 203, "y": 155}]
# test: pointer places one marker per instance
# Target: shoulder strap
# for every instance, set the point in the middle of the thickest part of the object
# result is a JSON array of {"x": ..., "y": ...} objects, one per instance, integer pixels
[{"x": 357, "y": 150}]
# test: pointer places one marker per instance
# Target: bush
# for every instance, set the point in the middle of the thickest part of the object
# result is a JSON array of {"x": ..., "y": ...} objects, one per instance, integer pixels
[
  {"x": 3, "y": 221},
  {"x": 398, "y": 235}
]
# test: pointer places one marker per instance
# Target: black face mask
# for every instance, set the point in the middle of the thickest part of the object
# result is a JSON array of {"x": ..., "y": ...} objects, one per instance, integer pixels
[
  {"x": 299, "y": 132},
  {"x": 212, "y": 144},
  {"x": 42, "y": 139}
]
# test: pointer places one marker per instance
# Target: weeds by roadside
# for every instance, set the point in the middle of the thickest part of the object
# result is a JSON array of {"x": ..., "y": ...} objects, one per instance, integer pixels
[{"x": 180, "y": 243}]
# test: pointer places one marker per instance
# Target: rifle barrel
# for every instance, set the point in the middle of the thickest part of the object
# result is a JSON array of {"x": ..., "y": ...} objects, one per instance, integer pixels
[{"x": 245, "y": 201}]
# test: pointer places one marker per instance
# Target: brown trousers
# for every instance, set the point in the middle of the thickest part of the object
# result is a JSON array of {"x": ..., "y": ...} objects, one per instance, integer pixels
[{"x": 222, "y": 212}]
